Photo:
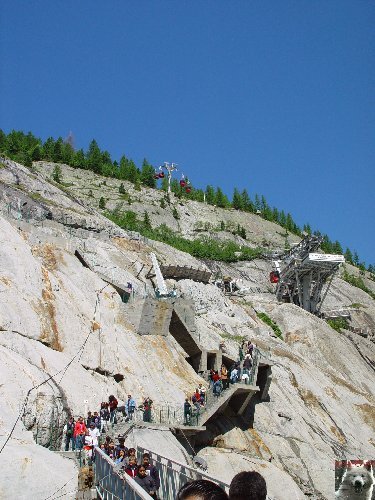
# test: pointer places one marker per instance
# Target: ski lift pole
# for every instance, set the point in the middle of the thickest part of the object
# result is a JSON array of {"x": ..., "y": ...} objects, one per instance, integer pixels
[{"x": 169, "y": 167}]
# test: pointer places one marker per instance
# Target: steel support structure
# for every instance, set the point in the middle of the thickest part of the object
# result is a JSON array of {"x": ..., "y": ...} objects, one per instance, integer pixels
[{"x": 303, "y": 274}]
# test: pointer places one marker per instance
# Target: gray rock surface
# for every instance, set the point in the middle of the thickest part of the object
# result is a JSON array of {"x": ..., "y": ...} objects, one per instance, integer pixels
[{"x": 321, "y": 401}]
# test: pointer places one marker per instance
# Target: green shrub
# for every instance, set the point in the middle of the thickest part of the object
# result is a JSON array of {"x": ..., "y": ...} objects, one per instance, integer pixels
[
  {"x": 338, "y": 323},
  {"x": 268, "y": 321},
  {"x": 102, "y": 202},
  {"x": 358, "y": 282},
  {"x": 202, "y": 248},
  {"x": 175, "y": 213}
]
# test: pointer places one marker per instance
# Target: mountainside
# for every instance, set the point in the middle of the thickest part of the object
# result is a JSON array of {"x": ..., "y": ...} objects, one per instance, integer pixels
[{"x": 63, "y": 267}]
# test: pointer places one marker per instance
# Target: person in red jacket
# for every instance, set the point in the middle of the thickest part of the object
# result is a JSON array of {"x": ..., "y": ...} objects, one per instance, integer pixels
[
  {"x": 132, "y": 468},
  {"x": 79, "y": 433}
]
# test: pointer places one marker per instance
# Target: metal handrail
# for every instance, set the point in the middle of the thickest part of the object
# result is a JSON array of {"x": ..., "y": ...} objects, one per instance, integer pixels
[
  {"x": 174, "y": 474},
  {"x": 110, "y": 484}
]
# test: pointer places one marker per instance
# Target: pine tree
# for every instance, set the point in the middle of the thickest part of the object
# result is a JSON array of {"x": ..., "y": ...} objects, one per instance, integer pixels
[
  {"x": 79, "y": 160},
  {"x": 146, "y": 221},
  {"x": 282, "y": 218},
  {"x": 210, "y": 195},
  {"x": 355, "y": 258},
  {"x": 162, "y": 203},
  {"x": 58, "y": 151},
  {"x": 221, "y": 199},
  {"x": 237, "y": 201},
  {"x": 257, "y": 203},
  {"x": 348, "y": 256},
  {"x": 3, "y": 142},
  {"x": 247, "y": 204},
  {"x": 102, "y": 203},
  {"x": 275, "y": 215},
  {"x": 121, "y": 189},
  {"x": 94, "y": 157},
  {"x": 56, "y": 174},
  {"x": 147, "y": 174},
  {"x": 48, "y": 148},
  {"x": 337, "y": 248}
]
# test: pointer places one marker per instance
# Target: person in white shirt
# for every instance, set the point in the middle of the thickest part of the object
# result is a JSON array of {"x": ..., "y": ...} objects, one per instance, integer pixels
[{"x": 94, "y": 433}]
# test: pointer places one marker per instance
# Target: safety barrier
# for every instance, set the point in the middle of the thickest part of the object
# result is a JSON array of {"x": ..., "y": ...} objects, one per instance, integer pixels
[
  {"x": 174, "y": 474},
  {"x": 111, "y": 484}
]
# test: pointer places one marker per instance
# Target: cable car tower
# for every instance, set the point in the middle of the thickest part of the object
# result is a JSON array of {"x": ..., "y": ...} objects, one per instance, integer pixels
[
  {"x": 302, "y": 272},
  {"x": 171, "y": 167}
]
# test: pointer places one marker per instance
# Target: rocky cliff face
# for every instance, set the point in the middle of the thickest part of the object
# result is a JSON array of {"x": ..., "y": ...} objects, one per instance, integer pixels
[{"x": 321, "y": 402}]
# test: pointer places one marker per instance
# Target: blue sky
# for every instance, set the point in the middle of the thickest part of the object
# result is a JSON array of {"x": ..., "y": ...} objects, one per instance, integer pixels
[{"x": 277, "y": 97}]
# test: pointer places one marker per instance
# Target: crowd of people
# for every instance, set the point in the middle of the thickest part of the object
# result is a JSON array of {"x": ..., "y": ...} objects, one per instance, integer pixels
[
  {"x": 85, "y": 433},
  {"x": 219, "y": 381},
  {"x": 143, "y": 472}
]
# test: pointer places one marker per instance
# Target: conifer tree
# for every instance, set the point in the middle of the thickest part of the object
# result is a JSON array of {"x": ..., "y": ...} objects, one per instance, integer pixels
[
  {"x": 237, "y": 201},
  {"x": 220, "y": 198},
  {"x": 348, "y": 256},
  {"x": 79, "y": 160},
  {"x": 56, "y": 174},
  {"x": 210, "y": 195},
  {"x": 94, "y": 157},
  {"x": 146, "y": 221},
  {"x": 247, "y": 204},
  {"x": 147, "y": 174}
]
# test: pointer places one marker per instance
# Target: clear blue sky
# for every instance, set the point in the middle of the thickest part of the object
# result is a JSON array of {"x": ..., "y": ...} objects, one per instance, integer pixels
[{"x": 274, "y": 96}]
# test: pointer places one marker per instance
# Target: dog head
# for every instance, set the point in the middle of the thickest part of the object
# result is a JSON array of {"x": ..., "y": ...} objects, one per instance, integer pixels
[{"x": 359, "y": 476}]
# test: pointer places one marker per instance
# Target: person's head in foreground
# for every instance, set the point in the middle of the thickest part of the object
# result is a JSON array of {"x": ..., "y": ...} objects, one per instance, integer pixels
[
  {"x": 201, "y": 490},
  {"x": 248, "y": 486}
]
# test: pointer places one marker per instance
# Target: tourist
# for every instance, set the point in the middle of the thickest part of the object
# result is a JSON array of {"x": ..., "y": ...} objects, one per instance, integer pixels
[
  {"x": 147, "y": 406},
  {"x": 234, "y": 375},
  {"x": 94, "y": 433},
  {"x": 187, "y": 412},
  {"x": 145, "y": 481},
  {"x": 224, "y": 377},
  {"x": 79, "y": 433},
  {"x": 104, "y": 417},
  {"x": 113, "y": 403},
  {"x": 121, "y": 446},
  {"x": 121, "y": 457},
  {"x": 88, "y": 447},
  {"x": 248, "y": 363},
  {"x": 132, "y": 467},
  {"x": 202, "y": 392},
  {"x": 202, "y": 489},
  {"x": 130, "y": 407},
  {"x": 217, "y": 387},
  {"x": 97, "y": 420},
  {"x": 196, "y": 397},
  {"x": 88, "y": 419},
  {"x": 151, "y": 470},
  {"x": 248, "y": 486},
  {"x": 69, "y": 432},
  {"x": 245, "y": 378},
  {"x": 250, "y": 348}
]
